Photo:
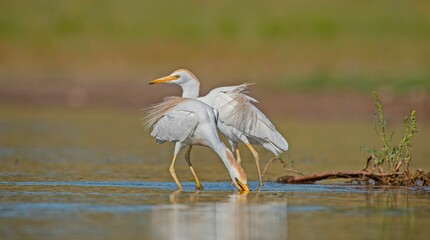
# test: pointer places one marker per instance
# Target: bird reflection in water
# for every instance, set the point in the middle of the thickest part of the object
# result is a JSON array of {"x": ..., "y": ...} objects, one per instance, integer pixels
[{"x": 235, "y": 216}]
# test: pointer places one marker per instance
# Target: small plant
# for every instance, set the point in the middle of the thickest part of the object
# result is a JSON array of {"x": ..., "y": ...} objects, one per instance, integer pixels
[
  {"x": 392, "y": 156},
  {"x": 389, "y": 156}
]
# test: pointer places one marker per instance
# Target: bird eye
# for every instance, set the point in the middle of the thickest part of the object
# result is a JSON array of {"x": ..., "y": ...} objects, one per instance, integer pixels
[{"x": 177, "y": 76}]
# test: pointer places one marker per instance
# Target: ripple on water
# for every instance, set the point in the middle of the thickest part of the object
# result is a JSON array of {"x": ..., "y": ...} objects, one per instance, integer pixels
[{"x": 96, "y": 208}]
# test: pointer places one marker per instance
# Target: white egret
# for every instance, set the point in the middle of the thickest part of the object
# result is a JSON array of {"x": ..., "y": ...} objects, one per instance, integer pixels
[
  {"x": 239, "y": 119},
  {"x": 189, "y": 122}
]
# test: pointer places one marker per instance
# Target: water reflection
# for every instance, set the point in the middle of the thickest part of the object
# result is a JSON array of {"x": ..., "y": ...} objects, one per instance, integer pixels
[
  {"x": 235, "y": 218},
  {"x": 150, "y": 210}
]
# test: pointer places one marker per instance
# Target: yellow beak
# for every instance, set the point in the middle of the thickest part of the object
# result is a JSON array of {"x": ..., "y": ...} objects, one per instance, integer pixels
[
  {"x": 163, "y": 80},
  {"x": 242, "y": 186}
]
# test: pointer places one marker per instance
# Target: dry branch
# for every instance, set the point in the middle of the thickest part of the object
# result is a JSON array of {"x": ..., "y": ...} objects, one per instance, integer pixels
[
  {"x": 397, "y": 178},
  {"x": 327, "y": 175}
]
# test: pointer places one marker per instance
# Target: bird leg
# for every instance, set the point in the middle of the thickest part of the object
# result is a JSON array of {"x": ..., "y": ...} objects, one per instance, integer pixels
[
  {"x": 257, "y": 162},
  {"x": 173, "y": 172},
  {"x": 187, "y": 158},
  {"x": 238, "y": 159}
]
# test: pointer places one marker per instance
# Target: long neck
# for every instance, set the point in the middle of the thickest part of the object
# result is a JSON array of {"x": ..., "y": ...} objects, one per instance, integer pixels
[
  {"x": 227, "y": 157},
  {"x": 190, "y": 89}
]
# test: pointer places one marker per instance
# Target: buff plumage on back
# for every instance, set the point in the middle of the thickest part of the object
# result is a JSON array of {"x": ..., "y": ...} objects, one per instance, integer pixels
[{"x": 157, "y": 111}]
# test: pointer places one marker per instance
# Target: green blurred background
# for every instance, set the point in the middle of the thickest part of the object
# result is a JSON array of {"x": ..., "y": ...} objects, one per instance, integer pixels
[
  {"x": 315, "y": 64},
  {"x": 294, "y": 45}
]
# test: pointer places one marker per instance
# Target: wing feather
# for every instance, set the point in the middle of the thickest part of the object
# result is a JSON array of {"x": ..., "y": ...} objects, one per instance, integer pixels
[
  {"x": 175, "y": 126},
  {"x": 170, "y": 122},
  {"x": 237, "y": 110}
]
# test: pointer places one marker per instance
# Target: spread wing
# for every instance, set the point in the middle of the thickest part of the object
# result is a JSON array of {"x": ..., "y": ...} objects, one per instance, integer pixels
[{"x": 237, "y": 110}]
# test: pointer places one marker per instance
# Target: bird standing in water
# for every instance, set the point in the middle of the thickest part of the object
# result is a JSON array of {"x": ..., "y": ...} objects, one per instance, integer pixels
[
  {"x": 189, "y": 122},
  {"x": 239, "y": 119}
]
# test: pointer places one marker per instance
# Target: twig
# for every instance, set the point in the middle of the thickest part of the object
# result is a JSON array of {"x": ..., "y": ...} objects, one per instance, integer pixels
[
  {"x": 398, "y": 165},
  {"x": 370, "y": 158},
  {"x": 285, "y": 166},
  {"x": 335, "y": 174},
  {"x": 268, "y": 163}
]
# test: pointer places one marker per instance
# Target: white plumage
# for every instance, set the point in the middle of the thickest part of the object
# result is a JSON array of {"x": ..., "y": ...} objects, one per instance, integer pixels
[
  {"x": 190, "y": 122},
  {"x": 239, "y": 119}
]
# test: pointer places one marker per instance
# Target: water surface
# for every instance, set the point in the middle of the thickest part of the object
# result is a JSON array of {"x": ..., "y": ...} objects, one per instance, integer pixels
[
  {"x": 155, "y": 210},
  {"x": 96, "y": 174}
]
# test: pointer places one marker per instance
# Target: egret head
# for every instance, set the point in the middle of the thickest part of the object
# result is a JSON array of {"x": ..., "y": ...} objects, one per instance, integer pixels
[
  {"x": 241, "y": 183},
  {"x": 185, "y": 79}
]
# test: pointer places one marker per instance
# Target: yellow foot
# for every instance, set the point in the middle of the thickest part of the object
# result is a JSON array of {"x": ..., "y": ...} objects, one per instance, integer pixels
[{"x": 199, "y": 187}]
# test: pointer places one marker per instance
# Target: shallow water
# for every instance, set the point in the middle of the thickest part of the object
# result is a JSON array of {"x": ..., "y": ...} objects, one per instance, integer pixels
[
  {"x": 96, "y": 174},
  {"x": 154, "y": 210}
]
